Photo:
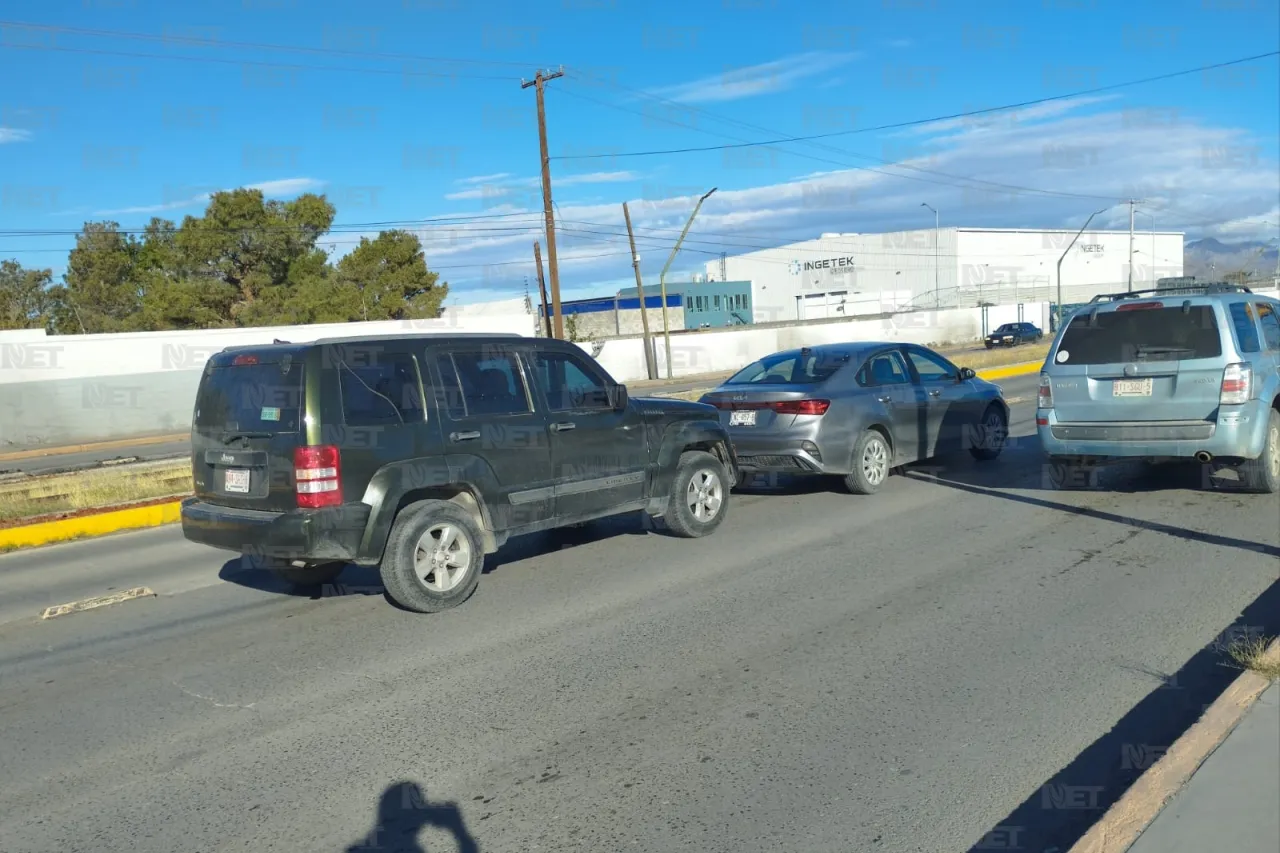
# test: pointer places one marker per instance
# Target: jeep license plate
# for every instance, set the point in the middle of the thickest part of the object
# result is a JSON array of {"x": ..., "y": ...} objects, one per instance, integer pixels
[
  {"x": 1131, "y": 388},
  {"x": 742, "y": 418},
  {"x": 237, "y": 480}
]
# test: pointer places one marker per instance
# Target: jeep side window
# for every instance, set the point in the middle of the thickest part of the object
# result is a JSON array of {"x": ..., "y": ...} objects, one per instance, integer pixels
[
  {"x": 1270, "y": 325},
  {"x": 385, "y": 392},
  {"x": 571, "y": 384},
  {"x": 482, "y": 383}
]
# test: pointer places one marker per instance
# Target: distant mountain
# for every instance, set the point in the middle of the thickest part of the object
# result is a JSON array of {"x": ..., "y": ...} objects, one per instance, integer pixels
[{"x": 1211, "y": 258}]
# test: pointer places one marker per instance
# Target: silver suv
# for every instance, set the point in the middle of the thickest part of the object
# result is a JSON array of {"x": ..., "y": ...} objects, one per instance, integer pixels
[{"x": 1192, "y": 373}]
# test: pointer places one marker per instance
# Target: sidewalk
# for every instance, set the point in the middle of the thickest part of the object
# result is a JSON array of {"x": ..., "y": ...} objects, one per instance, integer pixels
[{"x": 1232, "y": 802}]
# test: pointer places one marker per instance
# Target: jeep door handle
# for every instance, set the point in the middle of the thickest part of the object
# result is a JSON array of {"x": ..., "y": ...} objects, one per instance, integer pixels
[
  {"x": 935, "y": 392},
  {"x": 565, "y": 427},
  {"x": 885, "y": 399},
  {"x": 464, "y": 436}
]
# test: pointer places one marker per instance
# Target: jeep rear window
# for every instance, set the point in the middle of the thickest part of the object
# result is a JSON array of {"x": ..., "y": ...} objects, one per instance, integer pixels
[
  {"x": 1143, "y": 334},
  {"x": 803, "y": 368},
  {"x": 250, "y": 398}
]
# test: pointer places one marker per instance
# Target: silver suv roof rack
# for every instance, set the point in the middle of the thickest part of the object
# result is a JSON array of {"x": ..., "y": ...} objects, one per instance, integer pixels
[{"x": 1176, "y": 290}]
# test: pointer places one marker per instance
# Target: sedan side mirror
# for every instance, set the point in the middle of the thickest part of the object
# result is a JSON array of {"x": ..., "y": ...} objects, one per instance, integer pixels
[
  {"x": 967, "y": 373},
  {"x": 618, "y": 397}
]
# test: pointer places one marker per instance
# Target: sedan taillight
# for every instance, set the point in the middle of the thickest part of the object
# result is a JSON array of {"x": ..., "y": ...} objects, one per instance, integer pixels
[{"x": 802, "y": 407}]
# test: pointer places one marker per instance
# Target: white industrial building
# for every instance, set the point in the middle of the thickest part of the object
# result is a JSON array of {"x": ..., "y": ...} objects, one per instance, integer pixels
[{"x": 858, "y": 274}]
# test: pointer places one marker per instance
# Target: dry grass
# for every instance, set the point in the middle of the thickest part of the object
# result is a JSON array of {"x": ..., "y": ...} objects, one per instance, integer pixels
[
  {"x": 92, "y": 489},
  {"x": 1001, "y": 356},
  {"x": 1258, "y": 654}
]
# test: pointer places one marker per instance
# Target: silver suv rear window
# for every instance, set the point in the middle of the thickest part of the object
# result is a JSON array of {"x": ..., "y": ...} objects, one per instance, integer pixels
[{"x": 1141, "y": 334}]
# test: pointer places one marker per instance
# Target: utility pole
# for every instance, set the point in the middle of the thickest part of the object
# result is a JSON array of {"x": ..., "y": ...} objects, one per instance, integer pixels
[
  {"x": 542, "y": 287},
  {"x": 1131, "y": 204},
  {"x": 662, "y": 279},
  {"x": 539, "y": 82},
  {"x": 651, "y": 369}
]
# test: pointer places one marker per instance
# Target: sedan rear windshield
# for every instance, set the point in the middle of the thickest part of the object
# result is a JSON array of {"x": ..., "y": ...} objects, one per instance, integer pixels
[
  {"x": 790, "y": 368},
  {"x": 250, "y": 398},
  {"x": 1144, "y": 334}
]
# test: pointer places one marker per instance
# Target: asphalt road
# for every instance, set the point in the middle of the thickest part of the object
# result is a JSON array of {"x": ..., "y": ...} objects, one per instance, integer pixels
[{"x": 965, "y": 655}]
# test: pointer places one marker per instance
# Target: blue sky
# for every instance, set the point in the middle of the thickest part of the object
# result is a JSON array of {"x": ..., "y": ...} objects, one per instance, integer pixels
[{"x": 411, "y": 111}]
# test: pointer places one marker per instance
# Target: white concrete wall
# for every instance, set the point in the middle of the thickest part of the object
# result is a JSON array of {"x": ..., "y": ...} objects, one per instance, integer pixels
[
  {"x": 716, "y": 351},
  {"x": 71, "y": 389}
]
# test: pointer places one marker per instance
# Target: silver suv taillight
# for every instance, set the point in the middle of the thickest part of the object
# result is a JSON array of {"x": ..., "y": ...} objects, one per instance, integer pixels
[
  {"x": 1044, "y": 399},
  {"x": 1237, "y": 385}
]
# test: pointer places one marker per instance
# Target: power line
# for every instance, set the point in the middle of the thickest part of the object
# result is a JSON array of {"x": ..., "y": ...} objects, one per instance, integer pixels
[
  {"x": 855, "y": 155},
  {"x": 935, "y": 119}
]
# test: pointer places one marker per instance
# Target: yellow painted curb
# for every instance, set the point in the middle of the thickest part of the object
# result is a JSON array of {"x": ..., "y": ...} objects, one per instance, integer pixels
[
  {"x": 90, "y": 525},
  {"x": 97, "y": 445},
  {"x": 92, "y": 603},
  {"x": 1024, "y": 369}
]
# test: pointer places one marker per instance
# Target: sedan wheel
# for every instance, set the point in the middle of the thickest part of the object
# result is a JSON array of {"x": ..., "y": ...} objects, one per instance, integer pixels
[
  {"x": 991, "y": 435},
  {"x": 872, "y": 460}
]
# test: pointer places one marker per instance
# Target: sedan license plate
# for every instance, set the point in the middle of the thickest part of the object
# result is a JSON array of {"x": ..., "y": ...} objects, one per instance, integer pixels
[
  {"x": 744, "y": 418},
  {"x": 237, "y": 480},
  {"x": 1131, "y": 388}
]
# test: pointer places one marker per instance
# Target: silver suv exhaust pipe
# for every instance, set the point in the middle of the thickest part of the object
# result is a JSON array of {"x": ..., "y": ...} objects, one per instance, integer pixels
[{"x": 1204, "y": 456}]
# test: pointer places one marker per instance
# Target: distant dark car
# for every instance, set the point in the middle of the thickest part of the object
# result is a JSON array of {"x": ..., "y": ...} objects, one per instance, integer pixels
[
  {"x": 857, "y": 410},
  {"x": 420, "y": 454},
  {"x": 1012, "y": 334}
]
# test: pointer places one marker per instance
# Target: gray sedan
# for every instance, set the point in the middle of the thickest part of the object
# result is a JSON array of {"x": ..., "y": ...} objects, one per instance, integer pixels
[{"x": 857, "y": 410}]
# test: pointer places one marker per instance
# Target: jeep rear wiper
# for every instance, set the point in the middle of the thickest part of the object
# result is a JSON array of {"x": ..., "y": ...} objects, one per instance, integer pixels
[{"x": 233, "y": 436}]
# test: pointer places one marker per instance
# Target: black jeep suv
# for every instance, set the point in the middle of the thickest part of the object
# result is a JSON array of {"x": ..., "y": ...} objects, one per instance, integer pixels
[{"x": 420, "y": 454}]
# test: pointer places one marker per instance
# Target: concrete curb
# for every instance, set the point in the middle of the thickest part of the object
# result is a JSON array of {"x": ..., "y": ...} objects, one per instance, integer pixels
[
  {"x": 14, "y": 455},
  {"x": 1138, "y": 808},
  {"x": 113, "y": 521},
  {"x": 97, "y": 524}
]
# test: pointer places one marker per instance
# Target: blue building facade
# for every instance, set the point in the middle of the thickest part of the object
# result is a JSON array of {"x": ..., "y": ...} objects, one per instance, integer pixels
[
  {"x": 628, "y": 301},
  {"x": 713, "y": 304}
]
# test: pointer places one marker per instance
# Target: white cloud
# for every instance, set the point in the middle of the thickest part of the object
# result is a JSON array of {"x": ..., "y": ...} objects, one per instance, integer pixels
[
  {"x": 13, "y": 134},
  {"x": 734, "y": 84},
  {"x": 270, "y": 189},
  {"x": 484, "y": 179},
  {"x": 496, "y": 189},
  {"x": 1008, "y": 118},
  {"x": 1197, "y": 178}
]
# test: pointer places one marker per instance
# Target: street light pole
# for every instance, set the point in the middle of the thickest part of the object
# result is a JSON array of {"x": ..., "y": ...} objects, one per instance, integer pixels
[
  {"x": 936, "y": 301},
  {"x": 1064, "y": 255},
  {"x": 662, "y": 279}
]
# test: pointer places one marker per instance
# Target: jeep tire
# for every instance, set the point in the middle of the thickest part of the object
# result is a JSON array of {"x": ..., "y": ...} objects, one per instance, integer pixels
[
  {"x": 1263, "y": 474},
  {"x": 699, "y": 495},
  {"x": 434, "y": 557},
  {"x": 316, "y": 574}
]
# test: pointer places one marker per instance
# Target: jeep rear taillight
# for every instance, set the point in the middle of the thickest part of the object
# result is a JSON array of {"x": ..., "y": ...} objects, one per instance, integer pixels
[
  {"x": 1237, "y": 385},
  {"x": 317, "y": 470},
  {"x": 1044, "y": 397}
]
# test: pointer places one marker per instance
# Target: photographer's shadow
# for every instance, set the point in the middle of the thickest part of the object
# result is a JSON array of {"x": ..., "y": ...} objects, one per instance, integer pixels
[{"x": 403, "y": 812}]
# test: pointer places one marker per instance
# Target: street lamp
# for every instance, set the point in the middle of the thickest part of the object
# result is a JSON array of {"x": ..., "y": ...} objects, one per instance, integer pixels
[
  {"x": 936, "y": 302},
  {"x": 662, "y": 279},
  {"x": 1064, "y": 255}
]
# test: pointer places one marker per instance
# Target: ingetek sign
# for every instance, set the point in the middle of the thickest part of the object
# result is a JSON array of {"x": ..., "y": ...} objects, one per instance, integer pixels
[{"x": 828, "y": 264}]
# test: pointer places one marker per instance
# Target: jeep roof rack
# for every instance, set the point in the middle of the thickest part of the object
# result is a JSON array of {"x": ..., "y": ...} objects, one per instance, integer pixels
[{"x": 1176, "y": 290}]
